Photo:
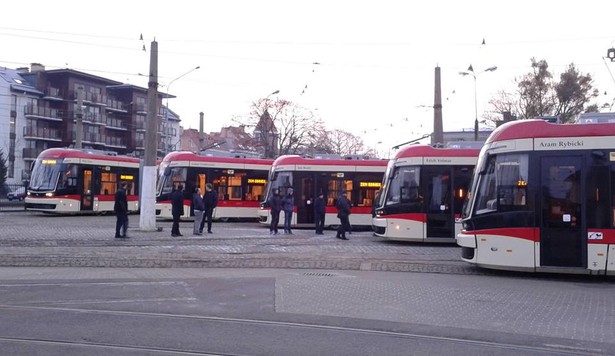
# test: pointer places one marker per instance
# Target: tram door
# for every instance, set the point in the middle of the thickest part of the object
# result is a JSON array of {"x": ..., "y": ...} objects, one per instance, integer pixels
[
  {"x": 304, "y": 198},
  {"x": 562, "y": 237},
  {"x": 438, "y": 199},
  {"x": 87, "y": 193}
]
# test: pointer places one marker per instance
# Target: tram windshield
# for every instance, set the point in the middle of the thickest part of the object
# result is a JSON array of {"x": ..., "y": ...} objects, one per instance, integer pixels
[
  {"x": 403, "y": 186},
  {"x": 279, "y": 180},
  {"x": 170, "y": 178},
  {"x": 502, "y": 185},
  {"x": 45, "y": 174}
]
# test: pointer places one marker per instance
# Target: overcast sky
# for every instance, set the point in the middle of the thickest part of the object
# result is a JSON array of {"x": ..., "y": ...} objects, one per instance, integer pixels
[{"x": 377, "y": 58}]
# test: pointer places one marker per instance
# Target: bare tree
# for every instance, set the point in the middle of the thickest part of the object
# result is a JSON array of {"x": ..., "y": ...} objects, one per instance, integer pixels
[{"x": 281, "y": 126}]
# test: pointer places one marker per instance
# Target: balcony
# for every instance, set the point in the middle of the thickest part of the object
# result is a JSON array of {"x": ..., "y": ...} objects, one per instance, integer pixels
[
  {"x": 118, "y": 142},
  {"x": 91, "y": 118},
  {"x": 116, "y": 105},
  {"x": 140, "y": 144},
  {"x": 96, "y": 99},
  {"x": 39, "y": 112},
  {"x": 141, "y": 108},
  {"x": 31, "y": 153},
  {"x": 42, "y": 133},
  {"x": 140, "y": 126},
  {"x": 53, "y": 94},
  {"x": 116, "y": 124}
]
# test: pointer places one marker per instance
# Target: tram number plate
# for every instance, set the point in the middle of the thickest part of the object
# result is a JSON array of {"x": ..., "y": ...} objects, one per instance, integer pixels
[{"x": 594, "y": 236}]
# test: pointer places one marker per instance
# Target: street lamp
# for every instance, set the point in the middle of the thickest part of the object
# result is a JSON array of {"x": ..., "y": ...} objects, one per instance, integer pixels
[
  {"x": 167, "y": 111},
  {"x": 471, "y": 72},
  {"x": 181, "y": 76}
]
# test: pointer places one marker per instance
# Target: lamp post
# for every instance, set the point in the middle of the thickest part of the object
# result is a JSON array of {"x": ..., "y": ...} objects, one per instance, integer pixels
[
  {"x": 181, "y": 76},
  {"x": 471, "y": 72},
  {"x": 167, "y": 112}
]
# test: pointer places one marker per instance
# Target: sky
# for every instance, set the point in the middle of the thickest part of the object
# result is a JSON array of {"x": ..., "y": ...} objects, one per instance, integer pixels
[{"x": 375, "y": 60}]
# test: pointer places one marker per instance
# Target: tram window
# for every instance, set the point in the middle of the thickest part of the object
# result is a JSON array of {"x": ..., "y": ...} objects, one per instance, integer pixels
[
  {"x": 440, "y": 193},
  {"x": 234, "y": 189},
  {"x": 177, "y": 177},
  {"x": 503, "y": 185},
  {"x": 404, "y": 186},
  {"x": 108, "y": 183},
  {"x": 68, "y": 177}
]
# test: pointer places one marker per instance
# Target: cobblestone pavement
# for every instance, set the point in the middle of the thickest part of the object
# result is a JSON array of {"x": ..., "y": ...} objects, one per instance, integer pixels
[{"x": 40, "y": 240}]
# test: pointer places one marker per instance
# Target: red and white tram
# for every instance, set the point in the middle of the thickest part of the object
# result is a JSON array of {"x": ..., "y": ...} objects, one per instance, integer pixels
[
  {"x": 65, "y": 180},
  {"x": 240, "y": 183},
  {"x": 543, "y": 199},
  {"x": 360, "y": 178},
  {"x": 423, "y": 193}
]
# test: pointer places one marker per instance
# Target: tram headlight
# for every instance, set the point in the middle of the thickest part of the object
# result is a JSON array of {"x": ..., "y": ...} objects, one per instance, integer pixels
[{"x": 49, "y": 194}]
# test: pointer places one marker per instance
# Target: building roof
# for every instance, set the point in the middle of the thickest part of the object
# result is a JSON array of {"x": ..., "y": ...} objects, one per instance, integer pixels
[{"x": 17, "y": 82}]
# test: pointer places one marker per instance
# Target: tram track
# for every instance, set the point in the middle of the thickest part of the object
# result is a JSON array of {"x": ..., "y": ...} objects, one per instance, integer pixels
[{"x": 547, "y": 348}]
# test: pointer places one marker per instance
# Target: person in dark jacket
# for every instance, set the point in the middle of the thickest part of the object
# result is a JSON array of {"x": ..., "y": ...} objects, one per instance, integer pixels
[
  {"x": 319, "y": 214},
  {"x": 288, "y": 205},
  {"x": 177, "y": 209},
  {"x": 121, "y": 211},
  {"x": 275, "y": 203},
  {"x": 343, "y": 213},
  {"x": 210, "y": 200},
  {"x": 199, "y": 207}
]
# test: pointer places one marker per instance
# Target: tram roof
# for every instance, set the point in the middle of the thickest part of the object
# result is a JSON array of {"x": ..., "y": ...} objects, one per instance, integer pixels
[
  {"x": 83, "y": 154},
  {"x": 191, "y": 156},
  {"x": 430, "y": 151},
  {"x": 298, "y": 160},
  {"x": 539, "y": 128}
]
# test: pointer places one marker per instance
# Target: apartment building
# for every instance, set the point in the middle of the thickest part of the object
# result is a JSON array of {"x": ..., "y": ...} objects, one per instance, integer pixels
[{"x": 39, "y": 108}]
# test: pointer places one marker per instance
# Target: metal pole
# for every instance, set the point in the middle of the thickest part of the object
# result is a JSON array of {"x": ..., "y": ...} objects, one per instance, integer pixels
[
  {"x": 147, "y": 220},
  {"x": 475, "y": 110},
  {"x": 79, "y": 118}
]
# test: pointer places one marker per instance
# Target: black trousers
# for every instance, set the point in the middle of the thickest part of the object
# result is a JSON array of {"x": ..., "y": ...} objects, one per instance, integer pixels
[
  {"x": 319, "y": 221},
  {"x": 207, "y": 216},
  {"x": 175, "y": 228},
  {"x": 275, "y": 220},
  {"x": 121, "y": 225},
  {"x": 344, "y": 226}
]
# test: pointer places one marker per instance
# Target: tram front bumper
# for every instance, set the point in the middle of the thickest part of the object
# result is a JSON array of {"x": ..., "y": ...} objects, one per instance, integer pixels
[{"x": 468, "y": 246}]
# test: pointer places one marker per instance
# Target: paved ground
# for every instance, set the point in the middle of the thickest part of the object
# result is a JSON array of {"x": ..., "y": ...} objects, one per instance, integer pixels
[
  {"x": 39, "y": 240},
  {"x": 315, "y": 280}
]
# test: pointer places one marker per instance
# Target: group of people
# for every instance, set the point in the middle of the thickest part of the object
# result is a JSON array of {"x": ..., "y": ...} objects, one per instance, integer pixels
[
  {"x": 203, "y": 206},
  {"x": 203, "y": 209},
  {"x": 287, "y": 204},
  {"x": 279, "y": 204}
]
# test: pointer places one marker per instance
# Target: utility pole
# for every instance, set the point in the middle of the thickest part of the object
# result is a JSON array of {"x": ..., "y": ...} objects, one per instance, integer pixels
[
  {"x": 147, "y": 220},
  {"x": 79, "y": 118},
  {"x": 438, "y": 131}
]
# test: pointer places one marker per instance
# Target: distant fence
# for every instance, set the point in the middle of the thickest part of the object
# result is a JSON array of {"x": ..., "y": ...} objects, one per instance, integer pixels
[{"x": 12, "y": 197}]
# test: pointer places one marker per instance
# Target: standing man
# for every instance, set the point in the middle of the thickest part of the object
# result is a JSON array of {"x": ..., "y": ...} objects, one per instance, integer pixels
[
  {"x": 210, "y": 200},
  {"x": 199, "y": 207},
  {"x": 275, "y": 203},
  {"x": 121, "y": 211},
  {"x": 343, "y": 213},
  {"x": 319, "y": 213},
  {"x": 177, "y": 209},
  {"x": 288, "y": 205}
]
